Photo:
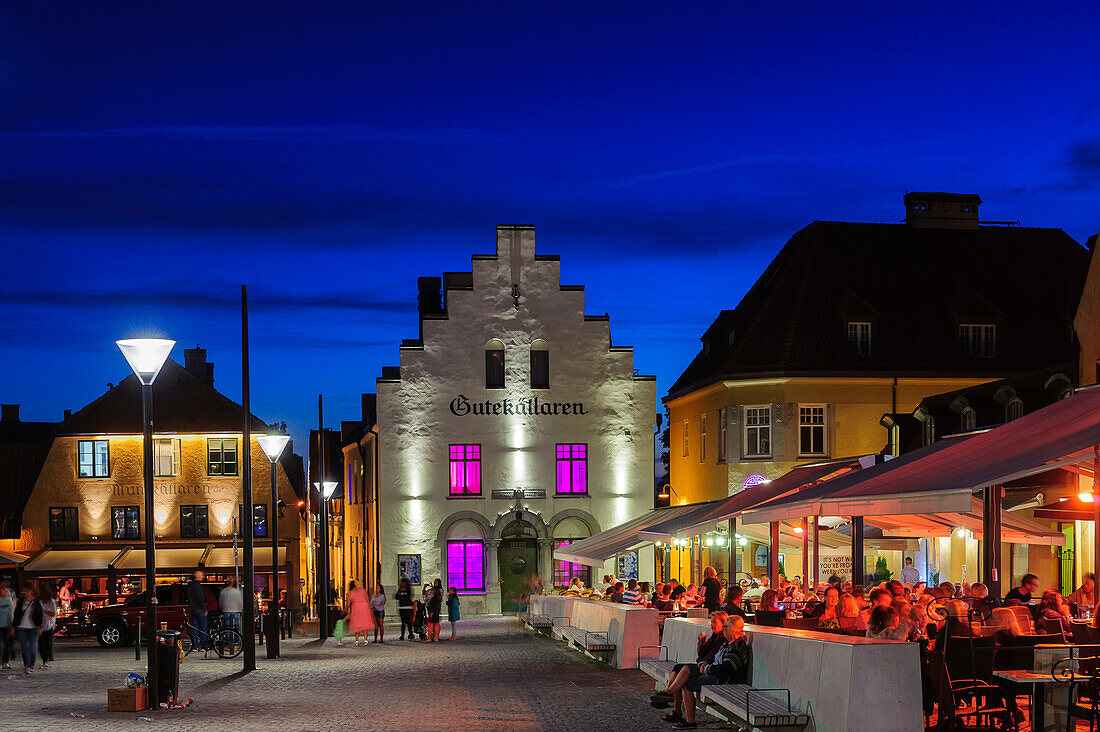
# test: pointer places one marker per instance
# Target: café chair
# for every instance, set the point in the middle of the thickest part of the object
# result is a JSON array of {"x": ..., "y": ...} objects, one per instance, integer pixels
[
  {"x": 771, "y": 618},
  {"x": 1083, "y": 700}
]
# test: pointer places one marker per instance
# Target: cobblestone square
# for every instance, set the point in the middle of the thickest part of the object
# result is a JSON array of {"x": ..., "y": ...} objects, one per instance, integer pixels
[{"x": 497, "y": 676}]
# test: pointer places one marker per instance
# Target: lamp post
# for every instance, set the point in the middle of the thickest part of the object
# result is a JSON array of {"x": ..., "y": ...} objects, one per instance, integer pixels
[
  {"x": 667, "y": 491},
  {"x": 273, "y": 446},
  {"x": 325, "y": 488},
  {"x": 146, "y": 356}
]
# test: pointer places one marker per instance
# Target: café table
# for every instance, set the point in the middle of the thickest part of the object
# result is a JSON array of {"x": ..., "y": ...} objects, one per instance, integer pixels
[{"x": 1037, "y": 679}]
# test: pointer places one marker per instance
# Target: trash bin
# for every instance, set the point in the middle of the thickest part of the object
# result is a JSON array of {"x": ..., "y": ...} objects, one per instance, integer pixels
[{"x": 168, "y": 666}]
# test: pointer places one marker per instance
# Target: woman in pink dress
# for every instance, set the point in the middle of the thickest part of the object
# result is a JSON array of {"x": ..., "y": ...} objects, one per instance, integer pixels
[{"x": 360, "y": 618}]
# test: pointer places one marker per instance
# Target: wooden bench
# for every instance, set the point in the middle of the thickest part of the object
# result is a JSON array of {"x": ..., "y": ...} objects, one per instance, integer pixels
[
  {"x": 657, "y": 670},
  {"x": 540, "y": 623},
  {"x": 594, "y": 643},
  {"x": 755, "y": 706}
]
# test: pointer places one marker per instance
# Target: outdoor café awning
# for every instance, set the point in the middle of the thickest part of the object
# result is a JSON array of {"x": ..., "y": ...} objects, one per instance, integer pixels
[
  {"x": 709, "y": 516},
  {"x": 1015, "y": 529},
  {"x": 221, "y": 558},
  {"x": 597, "y": 549},
  {"x": 71, "y": 561},
  {"x": 941, "y": 478},
  {"x": 183, "y": 559},
  {"x": 8, "y": 558}
]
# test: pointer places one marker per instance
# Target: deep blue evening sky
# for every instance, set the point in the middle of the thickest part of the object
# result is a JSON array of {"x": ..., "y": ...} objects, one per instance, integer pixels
[{"x": 157, "y": 155}]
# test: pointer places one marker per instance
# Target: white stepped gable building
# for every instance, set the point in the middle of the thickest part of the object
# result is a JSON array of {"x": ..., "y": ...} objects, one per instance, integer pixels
[{"x": 511, "y": 426}]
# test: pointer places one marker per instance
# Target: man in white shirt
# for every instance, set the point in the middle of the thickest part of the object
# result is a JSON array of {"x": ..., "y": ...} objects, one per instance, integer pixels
[
  {"x": 231, "y": 601},
  {"x": 909, "y": 575}
]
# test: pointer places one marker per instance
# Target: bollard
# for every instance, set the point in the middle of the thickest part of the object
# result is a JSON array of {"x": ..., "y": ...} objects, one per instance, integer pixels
[{"x": 137, "y": 641}]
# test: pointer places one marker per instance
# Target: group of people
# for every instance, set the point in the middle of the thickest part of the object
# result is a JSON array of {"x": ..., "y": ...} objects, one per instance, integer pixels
[
  {"x": 365, "y": 612},
  {"x": 29, "y": 619}
]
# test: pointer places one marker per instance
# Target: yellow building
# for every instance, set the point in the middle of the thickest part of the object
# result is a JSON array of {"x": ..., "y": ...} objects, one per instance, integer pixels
[
  {"x": 83, "y": 517},
  {"x": 358, "y": 540},
  {"x": 852, "y": 322}
]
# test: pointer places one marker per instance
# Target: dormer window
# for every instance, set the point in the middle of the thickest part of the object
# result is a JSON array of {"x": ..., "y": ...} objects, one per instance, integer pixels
[
  {"x": 731, "y": 335},
  {"x": 979, "y": 340},
  {"x": 859, "y": 338}
]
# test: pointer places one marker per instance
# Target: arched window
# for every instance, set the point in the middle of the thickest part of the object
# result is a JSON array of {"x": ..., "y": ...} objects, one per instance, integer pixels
[
  {"x": 1014, "y": 409},
  {"x": 494, "y": 364},
  {"x": 466, "y": 557},
  {"x": 967, "y": 419},
  {"x": 568, "y": 531},
  {"x": 929, "y": 430},
  {"x": 540, "y": 365}
]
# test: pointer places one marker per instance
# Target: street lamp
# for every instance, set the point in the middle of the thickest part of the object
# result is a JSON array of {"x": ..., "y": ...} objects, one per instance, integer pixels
[
  {"x": 326, "y": 489},
  {"x": 146, "y": 356},
  {"x": 273, "y": 446}
]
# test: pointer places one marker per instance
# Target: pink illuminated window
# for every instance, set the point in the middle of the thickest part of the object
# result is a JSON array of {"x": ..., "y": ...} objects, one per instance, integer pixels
[
  {"x": 564, "y": 572},
  {"x": 466, "y": 565},
  {"x": 572, "y": 474},
  {"x": 465, "y": 470}
]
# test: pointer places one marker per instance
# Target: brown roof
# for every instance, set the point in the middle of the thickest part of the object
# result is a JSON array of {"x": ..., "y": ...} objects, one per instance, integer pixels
[
  {"x": 23, "y": 450},
  {"x": 915, "y": 286}
]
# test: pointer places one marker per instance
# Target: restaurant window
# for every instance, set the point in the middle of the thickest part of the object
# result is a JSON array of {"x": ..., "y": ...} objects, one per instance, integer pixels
[
  {"x": 758, "y": 431},
  {"x": 859, "y": 338},
  {"x": 979, "y": 341},
  {"x": 93, "y": 458},
  {"x": 723, "y": 434},
  {"x": 494, "y": 364},
  {"x": 572, "y": 469},
  {"x": 194, "y": 523},
  {"x": 540, "y": 365},
  {"x": 565, "y": 571},
  {"x": 221, "y": 456},
  {"x": 703, "y": 437},
  {"x": 63, "y": 524},
  {"x": 125, "y": 522},
  {"x": 811, "y": 430},
  {"x": 166, "y": 457},
  {"x": 1014, "y": 409},
  {"x": 466, "y": 565},
  {"x": 465, "y": 470}
]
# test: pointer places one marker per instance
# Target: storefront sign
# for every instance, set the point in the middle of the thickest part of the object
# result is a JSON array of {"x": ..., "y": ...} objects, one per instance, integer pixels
[
  {"x": 841, "y": 566},
  {"x": 461, "y": 407},
  {"x": 193, "y": 489}
]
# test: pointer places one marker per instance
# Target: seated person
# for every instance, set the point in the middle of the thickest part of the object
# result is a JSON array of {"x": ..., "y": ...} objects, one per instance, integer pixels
[
  {"x": 848, "y": 613},
  {"x": 664, "y": 602},
  {"x": 978, "y": 591},
  {"x": 886, "y": 625},
  {"x": 732, "y": 603},
  {"x": 677, "y": 590},
  {"x": 1005, "y": 627},
  {"x": 825, "y": 612},
  {"x": 616, "y": 592},
  {"x": 632, "y": 595},
  {"x": 1052, "y": 607},
  {"x": 576, "y": 585},
  {"x": 1085, "y": 595},
  {"x": 879, "y": 598},
  {"x": 1022, "y": 595},
  {"x": 657, "y": 593},
  {"x": 691, "y": 596},
  {"x": 682, "y": 672},
  {"x": 730, "y": 666},
  {"x": 769, "y": 612}
]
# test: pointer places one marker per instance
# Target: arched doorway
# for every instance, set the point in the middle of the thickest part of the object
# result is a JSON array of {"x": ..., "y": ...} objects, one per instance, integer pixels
[{"x": 518, "y": 560}]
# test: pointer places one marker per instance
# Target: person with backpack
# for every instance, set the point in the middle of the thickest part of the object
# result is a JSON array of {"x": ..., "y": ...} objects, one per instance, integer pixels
[
  {"x": 452, "y": 610},
  {"x": 435, "y": 608},
  {"x": 49, "y": 622},
  {"x": 405, "y": 607}
]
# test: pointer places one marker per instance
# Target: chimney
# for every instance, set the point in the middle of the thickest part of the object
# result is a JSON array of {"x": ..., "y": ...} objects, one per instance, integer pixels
[
  {"x": 925, "y": 210},
  {"x": 429, "y": 298},
  {"x": 9, "y": 413},
  {"x": 68, "y": 413},
  {"x": 370, "y": 409},
  {"x": 194, "y": 360}
]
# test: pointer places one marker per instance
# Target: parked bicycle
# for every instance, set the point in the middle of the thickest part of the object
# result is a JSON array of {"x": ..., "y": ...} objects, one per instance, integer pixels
[{"x": 226, "y": 642}]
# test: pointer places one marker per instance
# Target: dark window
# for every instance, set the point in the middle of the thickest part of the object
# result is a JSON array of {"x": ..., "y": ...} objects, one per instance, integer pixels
[
  {"x": 494, "y": 368},
  {"x": 859, "y": 338},
  {"x": 125, "y": 522},
  {"x": 811, "y": 430},
  {"x": 259, "y": 519},
  {"x": 540, "y": 369},
  {"x": 194, "y": 522},
  {"x": 63, "y": 524},
  {"x": 93, "y": 459},
  {"x": 979, "y": 341},
  {"x": 221, "y": 456}
]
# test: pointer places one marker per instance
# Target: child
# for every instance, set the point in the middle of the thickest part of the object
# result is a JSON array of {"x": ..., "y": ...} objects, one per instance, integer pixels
[{"x": 452, "y": 610}]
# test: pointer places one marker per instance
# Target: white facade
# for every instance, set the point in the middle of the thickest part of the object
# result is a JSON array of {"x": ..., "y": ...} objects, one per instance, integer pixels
[{"x": 440, "y": 398}]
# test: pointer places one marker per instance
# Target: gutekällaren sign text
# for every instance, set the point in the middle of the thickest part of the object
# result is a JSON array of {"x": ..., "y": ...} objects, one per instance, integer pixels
[{"x": 531, "y": 406}]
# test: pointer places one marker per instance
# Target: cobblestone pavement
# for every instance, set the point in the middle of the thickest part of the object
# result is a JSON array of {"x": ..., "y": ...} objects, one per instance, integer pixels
[{"x": 497, "y": 676}]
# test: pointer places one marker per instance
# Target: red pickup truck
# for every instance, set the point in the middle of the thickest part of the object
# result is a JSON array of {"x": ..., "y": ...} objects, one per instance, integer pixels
[{"x": 116, "y": 625}]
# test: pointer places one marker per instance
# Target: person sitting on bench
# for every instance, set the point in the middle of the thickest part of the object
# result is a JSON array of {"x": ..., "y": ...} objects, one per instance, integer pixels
[
  {"x": 682, "y": 672},
  {"x": 730, "y": 666}
]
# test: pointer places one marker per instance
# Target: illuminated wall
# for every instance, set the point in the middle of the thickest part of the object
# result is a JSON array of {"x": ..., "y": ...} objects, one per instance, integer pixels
[{"x": 417, "y": 422}]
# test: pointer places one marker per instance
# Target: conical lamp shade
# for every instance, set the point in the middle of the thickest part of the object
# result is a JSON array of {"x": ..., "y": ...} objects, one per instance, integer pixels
[
  {"x": 273, "y": 445},
  {"x": 146, "y": 356},
  {"x": 326, "y": 488}
]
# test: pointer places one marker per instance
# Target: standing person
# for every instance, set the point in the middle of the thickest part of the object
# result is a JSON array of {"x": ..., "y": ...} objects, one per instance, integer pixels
[
  {"x": 65, "y": 595},
  {"x": 435, "y": 607},
  {"x": 49, "y": 622},
  {"x": 7, "y": 612},
  {"x": 452, "y": 610},
  {"x": 378, "y": 607},
  {"x": 404, "y": 599},
  {"x": 28, "y": 626},
  {"x": 196, "y": 600},
  {"x": 231, "y": 601},
  {"x": 360, "y": 617},
  {"x": 712, "y": 589},
  {"x": 909, "y": 574}
]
